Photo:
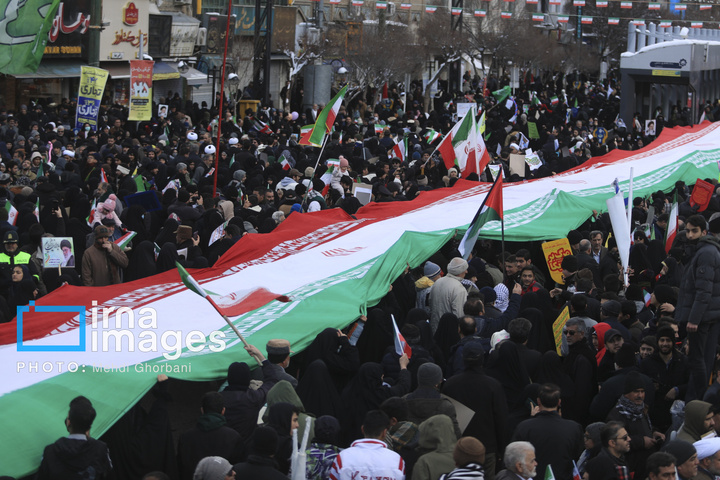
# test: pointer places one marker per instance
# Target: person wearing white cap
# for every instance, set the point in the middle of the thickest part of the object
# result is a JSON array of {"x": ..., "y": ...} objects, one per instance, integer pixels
[
  {"x": 213, "y": 468},
  {"x": 448, "y": 293},
  {"x": 708, "y": 452}
]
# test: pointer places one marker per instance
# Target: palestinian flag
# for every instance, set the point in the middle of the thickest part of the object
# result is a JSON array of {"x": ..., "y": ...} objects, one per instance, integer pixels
[
  {"x": 456, "y": 11},
  {"x": 381, "y": 5},
  {"x": 680, "y": 6},
  {"x": 326, "y": 119},
  {"x": 431, "y": 135},
  {"x": 563, "y": 19},
  {"x": 696, "y": 24},
  {"x": 672, "y": 226},
  {"x": 613, "y": 21},
  {"x": 430, "y": 9},
  {"x": 490, "y": 210},
  {"x": 653, "y": 6},
  {"x": 261, "y": 126},
  {"x": 480, "y": 13},
  {"x": 401, "y": 345},
  {"x": 626, "y": 5},
  {"x": 665, "y": 24},
  {"x": 125, "y": 240},
  {"x": 12, "y": 212},
  {"x": 400, "y": 149},
  {"x": 586, "y": 20},
  {"x": 705, "y": 7},
  {"x": 505, "y": 15},
  {"x": 538, "y": 17},
  {"x": 405, "y": 6},
  {"x": 601, "y": 3},
  {"x": 327, "y": 176}
]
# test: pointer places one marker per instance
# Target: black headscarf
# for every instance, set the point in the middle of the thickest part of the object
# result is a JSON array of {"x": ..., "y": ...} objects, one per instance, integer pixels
[
  {"x": 541, "y": 336},
  {"x": 317, "y": 391},
  {"x": 167, "y": 257},
  {"x": 365, "y": 392},
  {"x": 447, "y": 334},
  {"x": 507, "y": 367},
  {"x": 141, "y": 263},
  {"x": 167, "y": 232},
  {"x": 377, "y": 335}
]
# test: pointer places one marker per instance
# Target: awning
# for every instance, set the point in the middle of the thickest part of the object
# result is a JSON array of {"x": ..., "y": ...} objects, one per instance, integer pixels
[
  {"x": 65, "y": 69},
  {"x": 193, "y": 76},
  {"x": 161, "y": 70}
]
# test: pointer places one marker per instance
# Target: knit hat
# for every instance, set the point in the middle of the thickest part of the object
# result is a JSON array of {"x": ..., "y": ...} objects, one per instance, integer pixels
[
  {"x": 429, "y": 375},
  {"x": 680, "y": 449},
  {"x": 574, "y": 237},
  {"x": 327, "y": 430},
  {"x": 431, "y": 269},
  {"x": 468, "y": 450},
  {"x": 212, "y": 468},
  {"x": 611, "y": 308},
  {"x": 239, "y": 175},
  {"x": 457, "y": 266},
  {"x": 265, "y": 440},
  {"x": 569, "y": 263},
  {"x": 665, "y": 294},
  {"x": 344, "y": 162},
  {"x": 633, "y": 381},
  {"x": 309, "y": 172},
  {"x": 238, "y": 374},
  {"x": 594, "y": 430},
  {"x": 665, "y": 331},
  {"x": 707, "y": 447}
]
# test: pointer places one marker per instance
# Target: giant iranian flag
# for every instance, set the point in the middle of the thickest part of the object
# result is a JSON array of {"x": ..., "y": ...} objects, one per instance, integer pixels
[{"x": 330, "y": 266}]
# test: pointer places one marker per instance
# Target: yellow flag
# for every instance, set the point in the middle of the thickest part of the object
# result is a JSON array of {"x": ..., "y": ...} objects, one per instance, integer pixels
[
  {"x": 554, "y": 253},
  {"x": 558, "y": 326}
]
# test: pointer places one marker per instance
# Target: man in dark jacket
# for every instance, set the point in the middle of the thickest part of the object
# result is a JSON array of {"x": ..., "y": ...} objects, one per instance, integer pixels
[
  {"x": 610, "y": 462},
  {"x": 581, "y": 365},
  {"x": 486, "y": 397},
  {"x": 699, "y": 301},
  {"x": 557, "y": 441},
  {"x": 76, "y": 456},
  {"x": 210, "y": 437},
  {"x": 260, "y": 462}
]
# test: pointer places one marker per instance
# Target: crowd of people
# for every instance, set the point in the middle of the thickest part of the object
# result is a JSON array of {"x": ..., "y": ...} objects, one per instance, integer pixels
[{"x": 486, "y": 392}]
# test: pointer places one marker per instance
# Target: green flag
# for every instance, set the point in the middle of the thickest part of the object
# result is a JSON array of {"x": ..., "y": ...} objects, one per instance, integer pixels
[
  {"x": 190, "y": 282},
  {"x": 549, "y": 475},
  {"x": 24, "y": 34},
  {"x": 533, "y": 130},
  {"x": 502, "y": 94}
]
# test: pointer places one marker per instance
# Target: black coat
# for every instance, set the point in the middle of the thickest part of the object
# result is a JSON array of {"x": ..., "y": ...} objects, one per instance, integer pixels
[
  {"x": 486, "y": 397},
  {"x": 72, "y": 459},
  {"x": 204, "y": 441},
  {"x": 258, "y": 466},
  {"x": 699, "y": 298},
  {"x": 557, "y": 441},
  {"x": 665, "y": 377}
]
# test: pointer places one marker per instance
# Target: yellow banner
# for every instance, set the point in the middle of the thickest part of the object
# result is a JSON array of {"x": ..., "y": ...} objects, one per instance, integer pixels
[
  {"x": 558, "y": 326},
  {"x": 554, "y": 252},
  {"x": 90, "y": 93},
  {"x": 141, "y": 74}
]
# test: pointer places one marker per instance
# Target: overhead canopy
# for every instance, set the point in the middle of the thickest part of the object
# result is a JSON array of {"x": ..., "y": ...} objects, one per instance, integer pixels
[
  {"x": 161, "y": 70},
  {"x": 65, "y": 69},
  {"x": 192, "y": 76},
  {"x": 330, "y": 265}
]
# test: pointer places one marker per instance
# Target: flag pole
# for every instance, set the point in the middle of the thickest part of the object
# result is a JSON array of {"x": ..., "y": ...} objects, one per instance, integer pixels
[
  {"x": 232, "y": 325},
  {"x": 222, "y": 97},
  {"x": 317, "y": 162}
]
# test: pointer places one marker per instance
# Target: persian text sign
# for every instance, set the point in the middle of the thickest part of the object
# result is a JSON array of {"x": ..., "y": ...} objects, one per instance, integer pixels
[
  {"x": 90, "y": 92},
  {"x": 554, "y": 253},
  {"x": 141, "y": 90}
]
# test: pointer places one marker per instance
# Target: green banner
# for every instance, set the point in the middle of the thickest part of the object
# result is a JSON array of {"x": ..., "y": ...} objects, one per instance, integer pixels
[{"x": 24, "y": 33}]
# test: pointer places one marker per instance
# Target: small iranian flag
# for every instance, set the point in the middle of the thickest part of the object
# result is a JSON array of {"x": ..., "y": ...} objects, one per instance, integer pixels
[
  {"x": 576, "y": 472},
  {"x": 531, "y": 2},
  {"x": 103, "y": 177},
  {"x": 379, "y": 129},
  {"x": 665, "y": 24},
  {"x": 601, "y": 3},
  {"x": 490, "y": 210},
  {"x": 586, "y": 20},
  {"x": 326, "y": 119},
  {"x": 647, "y": 297},
  {"x": 480, "y": 13},
  {"x": 285, "y": 164},
  {"x": 578, "y": 3},
  {"x": 430, "y": 9},
  {"x": 653, "y": 6},
  {"x": 638, "y": 22},
  {"x": 190, "y": 282},
  {"x": 549, "y": 475},
  {"x": 506, "y": 15},
  {"x": 401, "y": 345},
  {"x": 538, "y": 17},
  {"x": 431, "y": 135},
  {"x": 672, "y": 226},
  {"x": 400, "y": 149},
  {"x": 705, "y": 7},
  {"x": 89, "y": 219},
  {"x": 613, "y": 21},
  {"x": 456, "y": 11},
  {"x": 357, "y": 3},
  {"x": 625, "y": 4},
  {"x": 125, "y": 240},
  {"x": 381, "y": 5},
  {"x": 554, "y": 100},
  {"x": 156, "y": 250},
  {"x": 563, "y": 19},
  {"x": 555, "y": 2},
  {"x": 334, "y": 2},
  {"x": 210, "y": 172},
  {"x": 680, "y": 6},
  {"x": 696, "y": 24},
  {"x": 305, "y": 136},
  {"x": 405, "y": 6},
  {"x": 37, "y": 210},
  {"x": 327, "y": 176},
  {"x": 12, "y": 212}
]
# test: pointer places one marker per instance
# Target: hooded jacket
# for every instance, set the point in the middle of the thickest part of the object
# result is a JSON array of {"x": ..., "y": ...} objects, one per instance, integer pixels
[
  {"x": 284, "y": 392},
  {"x": 75, "y": 458},
  {"x": 693, "y": 428},
  {"x": 437, "y": 437},
  {"x": 699, "y": 299}
]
